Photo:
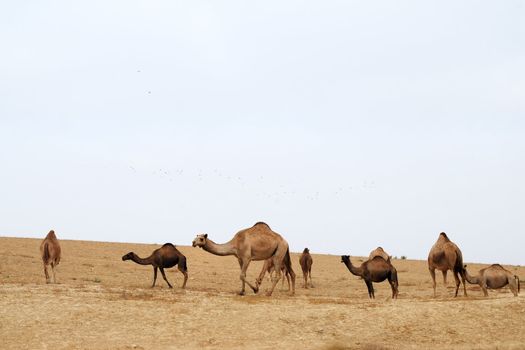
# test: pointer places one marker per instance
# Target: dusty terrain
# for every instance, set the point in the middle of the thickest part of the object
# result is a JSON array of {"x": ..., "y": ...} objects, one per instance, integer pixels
[{"x": 101, "y": 302}]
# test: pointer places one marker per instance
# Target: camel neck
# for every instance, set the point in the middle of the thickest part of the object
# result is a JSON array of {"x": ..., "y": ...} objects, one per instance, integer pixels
[
  {"x": 471, "y": 279},
  {"x": 219, "y": 249},
  {"x": 354, "y": 270},
  {"x": 141, "y": 261}
]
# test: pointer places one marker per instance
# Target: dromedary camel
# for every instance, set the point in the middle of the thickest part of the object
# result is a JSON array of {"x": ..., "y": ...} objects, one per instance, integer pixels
[
  {"x": 379, "y": 252},
  {"x": 50, "y": 251},
  {"x": 165, "y": 257},
  {"x": 258, "y": 242},
  {"x": 445, "y": 255},
  {"x": 494, "y": 277},
  {"x": 306, "y": 262},
  {"x": 270, "y": 269},
  {"x": 375, "y": 270}
]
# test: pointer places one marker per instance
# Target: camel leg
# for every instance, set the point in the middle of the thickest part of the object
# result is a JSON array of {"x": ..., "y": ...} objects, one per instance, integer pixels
[
  {"x": 433, "y": 275},
  {"x": 484, "y": 288},
  {"x": 164, "y": 276},
  {"x": 260, "y": 279},
  {"x": 287, "y": 280},
  {"x": 276, "y": 277},
  {"x": 393, "y": 285},
  {"x": 292, "y": 277},
  {"x": 245, "y": 264},
  {"x": 305, "y": 277},
  {"x": 311, "y": 283},
  {"x": 483, "y": 285},
  {"x": 185, "y": 277},
  {"x": 464, "y": 284},
  {"x": 512, "y": 285},
  {"x": 445, "y": 278},
  {"x": 53, "y": 271},
  {"x": 46, "y": 273},
  {"x": 243, "y": 283},
  {"x": 370, "y": 288},
  {"x": 277, "y": 259},
  {"x": 154, "y": 276},
  {"x": 456, "y": 278}
]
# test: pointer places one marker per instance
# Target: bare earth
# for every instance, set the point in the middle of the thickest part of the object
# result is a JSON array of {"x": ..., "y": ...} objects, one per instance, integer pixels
[{"x": 101, "y": 302}]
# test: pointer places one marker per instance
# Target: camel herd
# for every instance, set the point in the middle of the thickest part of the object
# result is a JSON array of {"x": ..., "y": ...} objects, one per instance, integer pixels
[{"x": 259, "y": 242}]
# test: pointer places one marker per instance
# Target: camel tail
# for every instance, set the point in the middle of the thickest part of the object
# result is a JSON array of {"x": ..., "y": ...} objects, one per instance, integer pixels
[
  {"x": 45, "y": 253},
  {"x": 394, "y": 277},
  {"x": 288, "y": 261},
  {"x": 459, "y": 267},
  {"x": 183, "y": 265},
  {"x": 518, "y": 280}
]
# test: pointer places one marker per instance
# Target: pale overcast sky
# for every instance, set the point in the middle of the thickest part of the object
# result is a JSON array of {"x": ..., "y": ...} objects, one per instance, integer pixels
[{"x": 342, "y": 124}]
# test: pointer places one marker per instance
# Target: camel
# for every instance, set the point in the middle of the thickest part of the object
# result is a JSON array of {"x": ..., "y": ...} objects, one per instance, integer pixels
[
  {"x": 270, "y": 269},
  {"x": 494, "y": 277},
  {"x": 163, "y": 258},
  {"x": 258, "y": 242},
  {"x": 444, "y": 256},
  {"x": 306, "y": 265},
  {"x": 379, "y": 252},
  {"x": 50, "y": 251},
  {"x": 375, "y": 270}
]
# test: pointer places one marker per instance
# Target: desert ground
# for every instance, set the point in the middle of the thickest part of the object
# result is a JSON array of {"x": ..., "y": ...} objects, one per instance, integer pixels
[{"x": 102, "y": 302}]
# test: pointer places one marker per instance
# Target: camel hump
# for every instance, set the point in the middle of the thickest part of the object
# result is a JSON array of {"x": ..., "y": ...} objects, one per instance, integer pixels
[
  {"x": 51, "y": 235},
  {"x": 497, "y": 265},
  {"x": 306, "y": 250},
  {"x": 168, "y": 245},
  {"x": 262, "y": 223},
  {"x": 444, "y": 235}
]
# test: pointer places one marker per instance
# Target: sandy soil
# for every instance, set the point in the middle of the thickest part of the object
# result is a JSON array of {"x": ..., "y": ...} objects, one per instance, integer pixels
[{"x": 101, "y": 302}]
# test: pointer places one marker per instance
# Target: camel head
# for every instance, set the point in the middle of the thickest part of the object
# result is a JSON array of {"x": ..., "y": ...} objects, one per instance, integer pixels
[
  {"x": 345, "y": 259},
  {"x": 200, "y": 240},
  {"x": 128, "y": 256}
]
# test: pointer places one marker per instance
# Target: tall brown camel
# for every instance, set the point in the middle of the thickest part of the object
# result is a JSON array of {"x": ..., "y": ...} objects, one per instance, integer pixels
[
  {"x": 444, "y": 256},
  {"x": 163, "y": 258},
  {"x": 494, "y": 277},
  {"x": 306, "y": 262},
  {"x": 50, "y": 252},
  {"x": 270, "y": 269},
  {"x": 375, "y": 270},
  {"x": 379, "y": 251},
  {"x": 258, "y": 242}
]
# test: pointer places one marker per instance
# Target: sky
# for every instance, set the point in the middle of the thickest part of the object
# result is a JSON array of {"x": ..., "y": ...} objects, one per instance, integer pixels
[{"x": 345, "y": 125}]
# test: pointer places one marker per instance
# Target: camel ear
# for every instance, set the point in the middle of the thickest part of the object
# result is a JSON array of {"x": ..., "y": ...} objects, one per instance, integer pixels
[{"x": 206, "y": 236}]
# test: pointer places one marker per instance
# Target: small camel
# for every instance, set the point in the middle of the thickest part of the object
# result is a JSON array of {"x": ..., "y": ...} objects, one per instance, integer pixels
[
  {"x": 270, "y": 269},
  {"x": 444, "y": 256},
  {"x": 306, "y": 262},
  {"x": 494, "y": 277},
  {"x": 258, "y": 242},
  {"x": 379, "y": 251},
  {"x": 50, "y": 252},
  {"x": 375, "y": 270},
  {"x": 165, "y": 257}
]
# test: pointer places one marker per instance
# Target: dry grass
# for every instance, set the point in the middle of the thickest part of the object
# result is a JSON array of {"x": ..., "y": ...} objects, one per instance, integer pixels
[{"x": 102, "y": 302}]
